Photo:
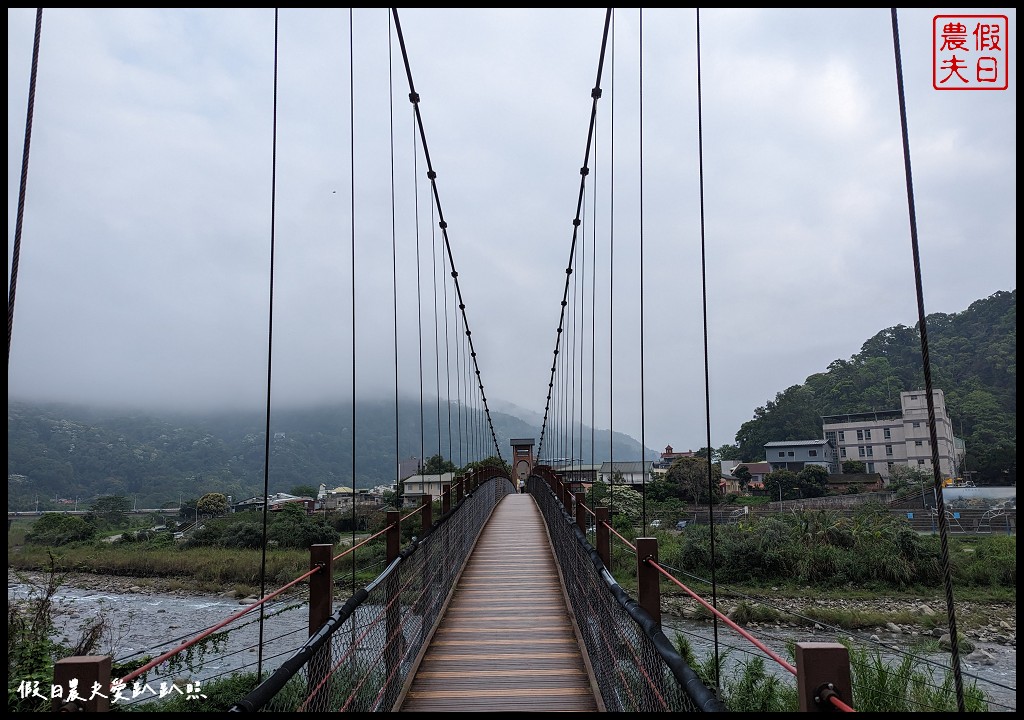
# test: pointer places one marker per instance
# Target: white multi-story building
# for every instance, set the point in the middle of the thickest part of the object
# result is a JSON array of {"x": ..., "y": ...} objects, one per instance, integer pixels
[
  {"x": 886, "y": 438},
  {"x": 416, "y": 486}
]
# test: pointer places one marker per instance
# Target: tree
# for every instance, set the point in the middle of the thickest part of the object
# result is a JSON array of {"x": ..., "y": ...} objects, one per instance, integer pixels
[
  {"x": 59, "y": 529},
  {"x": 853, "y": 467},
  {"x": 213, "y": 504},
  {"x": 781, "y": 484},
  {"x": 729, "y": 452},
  {"x": 292, "y": 527},
  {"x": 437, "y": 465},
  {"x": 187, "y": 511},
  {"x": 690, "y": 475},
  {"x": 304, "y": 491},
  {"x": 793, "y": 415},
  {"x": 492, "y": 461},
  {"x": 813, "y": 480},
  {"x": 908, "y": 480},
  {"x": 742, "y": 473},
  {"x": 626, "y": 503},
  {"x": 111, "y": 509}
]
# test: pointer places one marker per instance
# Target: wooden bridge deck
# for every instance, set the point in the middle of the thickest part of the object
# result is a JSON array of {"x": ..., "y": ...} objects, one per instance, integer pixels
[{"x": 507, "y": 641}]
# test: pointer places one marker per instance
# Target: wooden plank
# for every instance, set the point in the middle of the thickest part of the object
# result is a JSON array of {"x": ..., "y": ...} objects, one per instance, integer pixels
[{"x": 506, "y": 641}]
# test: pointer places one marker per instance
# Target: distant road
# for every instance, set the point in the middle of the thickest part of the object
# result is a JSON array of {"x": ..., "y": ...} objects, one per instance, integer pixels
[{"x": 140, "y": 511}]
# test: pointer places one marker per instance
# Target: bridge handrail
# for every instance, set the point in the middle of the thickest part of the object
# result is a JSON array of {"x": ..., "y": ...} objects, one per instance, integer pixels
[
  {"x": 650, "y": 689},
  {"x": 138, "y": 672},
  {"x": 549, "y": 487},
  {"x": 442, "y": 549}
]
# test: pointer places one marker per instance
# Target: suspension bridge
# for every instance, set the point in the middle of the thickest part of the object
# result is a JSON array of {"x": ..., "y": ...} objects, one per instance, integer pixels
[{"x": 505, "y": 601}]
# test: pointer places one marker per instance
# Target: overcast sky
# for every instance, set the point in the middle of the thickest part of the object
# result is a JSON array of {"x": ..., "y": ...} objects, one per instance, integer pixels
[{"x": 154, "y": 192}]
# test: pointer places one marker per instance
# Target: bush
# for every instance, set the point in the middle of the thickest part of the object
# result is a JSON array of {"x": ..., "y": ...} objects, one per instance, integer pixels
[
  {"x": 59, "y": 529},
  {"x": 31, "y": 650}
]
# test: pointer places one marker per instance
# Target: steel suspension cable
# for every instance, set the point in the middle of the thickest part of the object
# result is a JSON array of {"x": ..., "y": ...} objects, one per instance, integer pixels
[
  {"x": 352, "y": 243},
  {"x": 593, "y": 324},
  {"x": 458, "y": 385},
  {"x": 643, "y": 439},
  {"x": 582, "y": 303},
  {"x": 23, "y": 186},
  {"x": 571, "y": 415},
  {"x": 707, "y": 383},
  {"x": 419, "y": 295},
  {"x": 414, "y": 98},
  {"x": 611, "y": 287},
  {"x": 394, "y": 271},
  {"x": 437, "y": 330},
  {"x": 447, "y": 362},
  {"x": 270, "y": 351},
  {"x": 921, "y": 318},
  {"x": 595, "y": 95}
]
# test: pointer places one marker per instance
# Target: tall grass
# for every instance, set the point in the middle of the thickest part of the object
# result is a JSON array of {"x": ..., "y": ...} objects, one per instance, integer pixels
[{"x": 876, "y": 685}]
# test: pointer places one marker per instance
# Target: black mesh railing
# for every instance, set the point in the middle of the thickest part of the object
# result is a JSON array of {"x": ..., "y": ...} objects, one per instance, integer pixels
[
  {"x": 361, "y": 658},
  {"x": 635, "y": 664}
]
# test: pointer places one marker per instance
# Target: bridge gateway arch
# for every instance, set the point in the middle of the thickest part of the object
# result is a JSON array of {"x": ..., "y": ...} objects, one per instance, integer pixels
[{"x": 523, "y": 460}]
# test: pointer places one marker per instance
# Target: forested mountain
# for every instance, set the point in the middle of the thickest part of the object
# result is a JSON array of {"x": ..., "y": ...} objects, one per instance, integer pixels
[
  {"x": 67, "y": 452},
  {"x": 76, "y": 452},
  {"x": 973, "y": 360}
]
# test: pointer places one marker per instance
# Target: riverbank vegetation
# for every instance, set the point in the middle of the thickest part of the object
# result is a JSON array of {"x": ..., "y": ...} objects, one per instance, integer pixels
[
  {"x": 872, "y": 553},
  {"x": 876, "y": 685}
]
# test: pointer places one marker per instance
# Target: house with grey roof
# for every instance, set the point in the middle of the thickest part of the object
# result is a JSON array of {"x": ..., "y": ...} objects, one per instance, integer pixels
[
  {"x": 634, "y": 473},
  {"x": 794, "y": 455}
]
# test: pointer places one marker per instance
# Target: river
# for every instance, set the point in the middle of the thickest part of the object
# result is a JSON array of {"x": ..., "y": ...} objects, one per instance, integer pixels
[{"x": 146, "y": 624}]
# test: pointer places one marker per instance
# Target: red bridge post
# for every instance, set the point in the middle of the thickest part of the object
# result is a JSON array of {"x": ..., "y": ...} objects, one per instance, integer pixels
[
  {"x": 321, "y": 600},
  {"x": 581, "y": 512},
  {"x": 427, "y": 503},
  {"x": 822, "y": 671},
  {"x": 648, "y": 579},
  {"x": 393, "y": 537},
  {"x": 89, "y": 671},
  {"x": 604, "y": 537}
]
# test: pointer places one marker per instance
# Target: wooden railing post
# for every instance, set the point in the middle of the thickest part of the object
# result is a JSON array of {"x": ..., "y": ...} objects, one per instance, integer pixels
[
  {"x": 321, "y": 597},
  {"x": 648, "y": 579},
  {"x": 393, "y": 537},
  {"x": 603, "y": 536},
  {"x": 321, "y": 586},
  {"x": 87, "y": 672},
  {"x": 392, "y": 625},
  {"x": 567, "y": 498},
  {"x": 446, "y": 500},
  {"x": 458, "y": 490},
  {"x": 822, "y": 671},
  {"x": 427, "y": 503},
  {"x": 581, "y": 511}
]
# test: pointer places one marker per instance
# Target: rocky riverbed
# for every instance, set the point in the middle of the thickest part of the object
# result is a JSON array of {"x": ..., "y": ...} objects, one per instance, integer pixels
[
  {"x": 994, "y": 623},
  {"x": 990, "y": 623},
  {"x": 163, "y": 607}
]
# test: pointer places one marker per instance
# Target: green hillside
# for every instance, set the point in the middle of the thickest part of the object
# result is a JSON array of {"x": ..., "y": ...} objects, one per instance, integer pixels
[
  {"x": 66, "y": 452},
  {"x": 973, "y": 360}
]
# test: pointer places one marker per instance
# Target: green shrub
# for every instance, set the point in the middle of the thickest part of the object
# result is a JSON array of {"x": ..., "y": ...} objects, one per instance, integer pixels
[{"x": 57, "y": 529}]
